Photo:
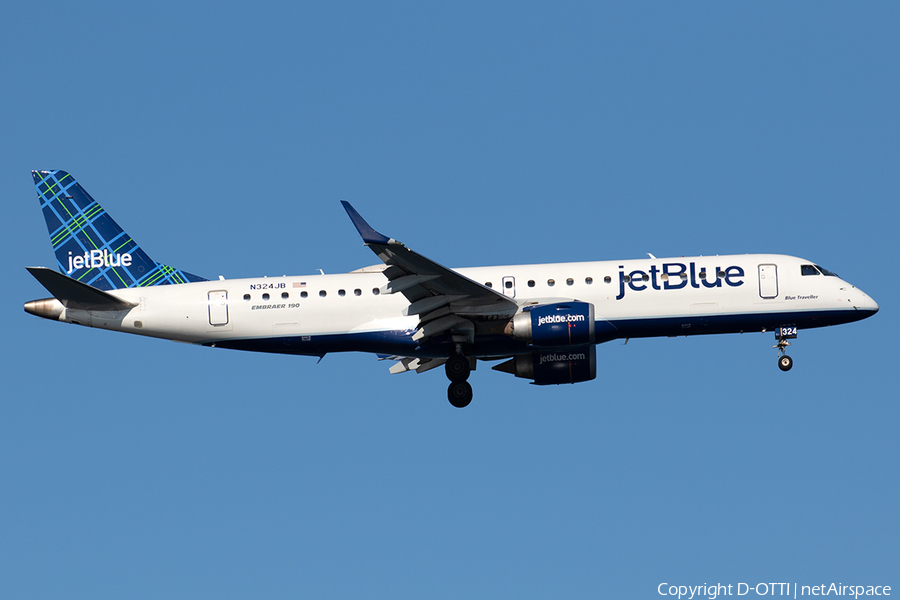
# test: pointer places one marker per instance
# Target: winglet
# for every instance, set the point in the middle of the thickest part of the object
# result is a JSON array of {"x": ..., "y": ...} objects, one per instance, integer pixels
[{"x": 369, "y": 235}]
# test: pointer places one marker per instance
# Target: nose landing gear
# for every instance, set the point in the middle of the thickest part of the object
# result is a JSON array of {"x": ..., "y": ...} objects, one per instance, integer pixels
[
  {"x": 783, "y": 334},
  {"x": 785, "y": 362},
  {"x": 458, "y": 369}
]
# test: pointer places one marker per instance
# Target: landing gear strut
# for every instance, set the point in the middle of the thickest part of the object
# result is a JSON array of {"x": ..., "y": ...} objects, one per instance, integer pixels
[
  {"x": 460, "y": 391},
  {"x": 783, "y": 334}
]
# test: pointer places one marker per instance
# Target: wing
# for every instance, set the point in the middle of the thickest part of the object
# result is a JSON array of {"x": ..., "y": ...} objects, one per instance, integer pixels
[{"x": 445, "y": 300}]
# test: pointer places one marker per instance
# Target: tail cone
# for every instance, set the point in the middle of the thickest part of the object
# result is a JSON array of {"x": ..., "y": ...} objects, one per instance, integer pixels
[{"x": 48, "y": 308}]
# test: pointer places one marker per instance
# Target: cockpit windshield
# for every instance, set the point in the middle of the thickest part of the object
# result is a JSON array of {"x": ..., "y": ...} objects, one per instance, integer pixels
[
  {"x": 816, "y": 270},
  {"x": 826, "y": 272}
]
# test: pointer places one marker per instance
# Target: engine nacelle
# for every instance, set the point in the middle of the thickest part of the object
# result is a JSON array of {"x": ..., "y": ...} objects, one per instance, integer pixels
[
  {"x": 555, "y": 325},
  {"x": 554, "y": 367}
]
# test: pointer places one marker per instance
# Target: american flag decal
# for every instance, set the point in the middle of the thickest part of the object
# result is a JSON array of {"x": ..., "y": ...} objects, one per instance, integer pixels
[{"x": 299, "y": 284}]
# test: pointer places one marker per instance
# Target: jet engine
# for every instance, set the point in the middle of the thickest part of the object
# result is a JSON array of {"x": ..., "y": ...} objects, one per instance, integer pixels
[
  {"x": 555, "y": 366},
  {"x": 554, "y": 325}
]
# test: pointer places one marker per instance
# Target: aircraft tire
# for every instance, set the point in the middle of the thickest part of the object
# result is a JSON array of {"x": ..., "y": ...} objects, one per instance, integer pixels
[
  {"x": 460, "y": 394},
  {"x": 457, "y": 368},
  {"x": 785, "y": 362}
]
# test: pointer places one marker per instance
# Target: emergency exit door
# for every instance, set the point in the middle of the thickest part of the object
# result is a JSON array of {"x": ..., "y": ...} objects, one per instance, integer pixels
[{"x": 509, "y": 286}]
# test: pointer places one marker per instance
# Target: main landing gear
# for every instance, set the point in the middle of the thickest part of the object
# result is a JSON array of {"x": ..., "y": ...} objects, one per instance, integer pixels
[
  {"x": 460, "y": 391},
  {"x": 783, "y": 334}
]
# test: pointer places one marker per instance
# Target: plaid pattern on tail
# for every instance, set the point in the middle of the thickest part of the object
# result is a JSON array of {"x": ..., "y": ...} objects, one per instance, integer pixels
[{"x": 89, "y": 245}]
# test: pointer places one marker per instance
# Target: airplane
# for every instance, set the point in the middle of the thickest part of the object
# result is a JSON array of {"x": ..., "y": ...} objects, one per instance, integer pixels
[{"x": 544, "y": 321}]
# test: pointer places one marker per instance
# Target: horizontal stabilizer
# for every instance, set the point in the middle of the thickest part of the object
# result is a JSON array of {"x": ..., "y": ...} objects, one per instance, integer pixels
[{"x": 74, "y": 294}]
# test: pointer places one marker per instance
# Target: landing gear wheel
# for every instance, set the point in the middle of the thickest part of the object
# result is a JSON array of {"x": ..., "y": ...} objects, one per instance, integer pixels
[
  {"x": 785, "y": 362},
  {"x": 457, "y": 368},
  {"x": 460, "y": 393},
  {"x": 783, "y": 334}
]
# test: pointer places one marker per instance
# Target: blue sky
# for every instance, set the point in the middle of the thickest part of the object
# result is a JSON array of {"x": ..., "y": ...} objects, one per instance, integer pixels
[{"x": 223, "y": 136}]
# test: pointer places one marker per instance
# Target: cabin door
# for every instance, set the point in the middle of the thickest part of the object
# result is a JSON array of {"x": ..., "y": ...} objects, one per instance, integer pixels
[
  {"x": 768, "y": 281},
  {"x": 218, "y": 308}
]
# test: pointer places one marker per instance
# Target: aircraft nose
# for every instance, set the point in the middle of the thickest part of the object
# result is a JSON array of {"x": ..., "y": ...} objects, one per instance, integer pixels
[{"x": 866, "y": 303}]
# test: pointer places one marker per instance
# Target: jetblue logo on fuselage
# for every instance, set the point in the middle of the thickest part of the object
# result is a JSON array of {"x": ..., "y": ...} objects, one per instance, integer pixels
[
  {"x": 674, "y": 276},
  {"x": 96, "y": 259}
]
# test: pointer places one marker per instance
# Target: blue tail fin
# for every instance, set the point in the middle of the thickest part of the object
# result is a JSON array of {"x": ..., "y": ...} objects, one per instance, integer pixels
[{"x": 90, "y": 247}]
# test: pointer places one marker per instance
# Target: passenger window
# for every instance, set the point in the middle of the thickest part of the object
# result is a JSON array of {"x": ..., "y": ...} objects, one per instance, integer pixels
[
  {"x": 570, "y": 281},
  {"x": 357, "y": 292},
  {"x": 702, "y": 274},
  {"x": 607, "y": 279},
  {"x": 342, "y": 293},
  {"x": 531, "y": 283},
  {"x": 303, "y": 294},
  {"x": 322, "y": 293},
  {"x": 375, "y": 291},
  {"x": 246, "y": 296},
  {"x": 508, "y": 285},
  {"x": 265, "y": 296},
  {"x": 488, "y": 284},
  {"x": 285, "y": 295},
  {"x": 646, "y": 277},
  {"x": 589, "y": 280},
  {"x": 551, "y": 283},
  {"x": 720, "y": 274}
]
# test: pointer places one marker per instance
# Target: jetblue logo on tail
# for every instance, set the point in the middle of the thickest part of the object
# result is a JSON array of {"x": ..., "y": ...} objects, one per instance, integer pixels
[
  {"x": 89, "y": 245},
  {"x": 97, "y": 259}
]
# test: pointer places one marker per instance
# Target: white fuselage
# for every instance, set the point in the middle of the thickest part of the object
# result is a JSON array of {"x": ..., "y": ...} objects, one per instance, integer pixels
[{"x": 315, "y": 314}]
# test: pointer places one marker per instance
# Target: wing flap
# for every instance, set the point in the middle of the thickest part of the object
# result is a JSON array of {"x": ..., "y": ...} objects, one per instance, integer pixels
[
  {"x": 405, "y": 282},
  {"x": 431, "y": 303},
  {"x": 419, "y": 365}
]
